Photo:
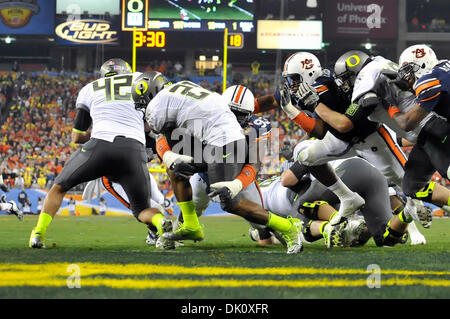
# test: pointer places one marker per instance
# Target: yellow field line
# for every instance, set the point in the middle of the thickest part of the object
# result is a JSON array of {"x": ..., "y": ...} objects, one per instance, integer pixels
[
  {"x": 87, "y": 269},
  {"x": 179, "y": 284}
]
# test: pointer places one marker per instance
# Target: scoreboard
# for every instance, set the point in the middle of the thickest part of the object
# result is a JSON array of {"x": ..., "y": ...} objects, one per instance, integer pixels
[{"x": 134, "y": 15}]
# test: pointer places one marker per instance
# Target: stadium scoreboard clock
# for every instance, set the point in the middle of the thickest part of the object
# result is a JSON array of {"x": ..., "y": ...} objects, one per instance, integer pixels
[
  {"x": 150, "y": 39},
  {"x": 134, "y": 15},
  {"x": 235, "y": 40}
]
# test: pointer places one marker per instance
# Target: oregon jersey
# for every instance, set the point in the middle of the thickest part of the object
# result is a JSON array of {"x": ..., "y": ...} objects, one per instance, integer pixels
[
  {"x": 111, "y": 107},
  {"x": 203, "y": 113}
]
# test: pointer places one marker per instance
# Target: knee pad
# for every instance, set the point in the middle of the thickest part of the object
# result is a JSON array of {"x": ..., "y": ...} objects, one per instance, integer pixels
[
  {"x": 448, "y": 173},
  {"x": 306, "y": 231},
  {"x": 305, "y": 157},
  {"x": 426, "y": 194},
  {"x": 391, "y": 237},
  {"x": 310, "y": 210}
]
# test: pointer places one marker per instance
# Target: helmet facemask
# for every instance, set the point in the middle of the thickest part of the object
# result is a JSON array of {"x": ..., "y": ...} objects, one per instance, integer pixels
[
  {"x": 242, "y": 116},
  {"x": 293, "y": 80},
  {"x": 407, "y": 74},
  {"x": 345, "y": 82}
]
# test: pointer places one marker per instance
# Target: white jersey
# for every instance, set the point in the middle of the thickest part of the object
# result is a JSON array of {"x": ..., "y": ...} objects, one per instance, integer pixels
[
  {"x": 203, "y": 113},
  {"x": 110, "y": 104},
  {"x": 371, "y": 79}
]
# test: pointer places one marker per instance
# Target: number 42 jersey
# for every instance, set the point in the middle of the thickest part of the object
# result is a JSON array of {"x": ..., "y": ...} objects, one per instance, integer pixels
[
  {"x": 111, "y": 107},
  {"x": 203, "y": 113}
]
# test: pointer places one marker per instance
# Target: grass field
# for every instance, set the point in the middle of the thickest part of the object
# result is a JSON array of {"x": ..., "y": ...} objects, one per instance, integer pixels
[{"x": 114, "y": 262}]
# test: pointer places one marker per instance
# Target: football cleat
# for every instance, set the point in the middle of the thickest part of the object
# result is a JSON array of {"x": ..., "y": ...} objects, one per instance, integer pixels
[
  {"x": 254, "y": 234},
  {"x": 36, "y": 240},
  {"x": 162, "y": 242},
  {"x": 15, "y": 210},
  {"x": 3, "y": 198},
  {"x": 333, "y": 235},
  {"x": 348, "y": 207},
  {"x": 184, "y": 233},
  {"x": 293, "y": 237},
  {"x": 151, "y": 239},
  {"x": 419, "y": 212}
]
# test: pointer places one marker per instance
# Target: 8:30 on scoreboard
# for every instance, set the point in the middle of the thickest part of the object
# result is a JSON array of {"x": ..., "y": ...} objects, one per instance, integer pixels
[{"x": 150, "y": 39}]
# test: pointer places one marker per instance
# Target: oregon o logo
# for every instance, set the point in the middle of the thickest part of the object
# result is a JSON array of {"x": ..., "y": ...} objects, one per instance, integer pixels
[
  {"x": 355, "y": 59},
  {"x": 142, "y": 87}
]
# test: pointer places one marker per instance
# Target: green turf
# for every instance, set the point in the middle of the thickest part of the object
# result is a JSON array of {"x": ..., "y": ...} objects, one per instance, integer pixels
[{"x": 121, "y": 240}]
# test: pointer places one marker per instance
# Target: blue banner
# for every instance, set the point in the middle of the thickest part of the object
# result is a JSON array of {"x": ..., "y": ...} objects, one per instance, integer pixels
[{"x": 27, "y": 17}]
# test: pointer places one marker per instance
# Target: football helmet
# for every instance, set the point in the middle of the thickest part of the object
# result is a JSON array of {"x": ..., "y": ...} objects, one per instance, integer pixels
[
  {"x": 301, "y": 67},
  {"x": 347, "y": 68},
  {"x": 146, "y": 86},
  {"x": 241, "y": 102},
  {"x": 114, "y": 67},
  {"x": 415, "y": 61}
]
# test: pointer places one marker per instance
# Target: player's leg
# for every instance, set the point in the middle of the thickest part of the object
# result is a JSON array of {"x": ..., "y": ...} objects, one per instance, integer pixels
[
  {"x": 84, "y": 165},
  {"x": 316, "y": 156},
  {"x": 382, "y": 151},
  {"x": 135, "y": 181}
]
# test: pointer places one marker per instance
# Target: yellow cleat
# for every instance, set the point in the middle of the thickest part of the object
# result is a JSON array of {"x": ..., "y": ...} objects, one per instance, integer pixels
[
  {"x": 36, "y": 240},
  {"x": 184, "y": 233}
]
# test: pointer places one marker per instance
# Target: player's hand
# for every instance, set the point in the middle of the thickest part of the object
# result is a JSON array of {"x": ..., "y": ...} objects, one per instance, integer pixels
[
  {"x": 224, "y": 196},
  {"x": 285, "y": 102},
  {"x": 183, "y": 170},
  {"x": 234, "y": 186},
  {"x": 308, "y": 95},
  {"x": 170, "y": 157}
]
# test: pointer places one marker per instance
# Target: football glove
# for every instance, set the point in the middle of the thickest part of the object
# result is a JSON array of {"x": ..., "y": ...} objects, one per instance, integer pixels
[
  {"x": 285, "y": 102},
  {"x": 222, "y": 195},
  {"x": 234, "y": 186},
  {"x": 183, "y": 170},
  {"x": 308, "y": 95},
  {"x": 170, "y": 157}
]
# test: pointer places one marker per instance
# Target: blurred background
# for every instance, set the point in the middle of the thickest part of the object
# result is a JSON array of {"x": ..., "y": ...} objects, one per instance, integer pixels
[{"x": 49, "y": 49}]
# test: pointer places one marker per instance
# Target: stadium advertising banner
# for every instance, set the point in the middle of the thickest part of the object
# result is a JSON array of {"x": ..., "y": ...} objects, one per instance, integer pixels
[
  {"x": 214, "y": 15},
  {"x": 27, "y": 17},
  {"x": 289, "y": 35},
  {"x": 361, "y": 18},
  {"x": 71, "y": 31},
  {"x": 95, "y": 7}
]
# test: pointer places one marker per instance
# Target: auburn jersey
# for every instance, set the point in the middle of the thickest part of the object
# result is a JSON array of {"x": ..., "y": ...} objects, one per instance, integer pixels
[{"x": 432, "y": 90}]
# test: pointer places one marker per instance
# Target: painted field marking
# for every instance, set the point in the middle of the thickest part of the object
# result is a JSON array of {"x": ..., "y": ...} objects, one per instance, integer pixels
[{"x": 55, "y": 274}]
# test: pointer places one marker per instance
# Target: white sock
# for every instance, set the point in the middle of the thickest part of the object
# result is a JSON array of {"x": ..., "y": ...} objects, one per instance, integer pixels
[{"x": 341, "y": 190}]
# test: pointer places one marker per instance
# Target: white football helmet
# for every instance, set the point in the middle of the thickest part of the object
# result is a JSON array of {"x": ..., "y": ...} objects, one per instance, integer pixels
[
  {"x": 417, "y": 59},
  {"x": 241, "y": 102},
  {"x": 301, "y": 67}
]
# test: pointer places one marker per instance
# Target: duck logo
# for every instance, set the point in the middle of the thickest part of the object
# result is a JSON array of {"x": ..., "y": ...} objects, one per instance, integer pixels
[
  {"x": 17, "y": 14},
  {"x": 87, "y": 31}
]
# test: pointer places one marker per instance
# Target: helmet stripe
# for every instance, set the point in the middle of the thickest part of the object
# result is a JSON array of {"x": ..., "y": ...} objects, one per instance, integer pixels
[{"x": 238, "y": 95}]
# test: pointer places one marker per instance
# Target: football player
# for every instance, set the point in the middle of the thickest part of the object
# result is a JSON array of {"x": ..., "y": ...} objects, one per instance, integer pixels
[
  {"x": 374, "y": 91},
  {"x": 379, "y": 147},
  {"x": 308, "y": 196},
  {"x": 298, "y": 68},
  {"x": 220, "y": 150},
  {"x": 115, "y": 147},
  {"x": 430, "y": 79}
]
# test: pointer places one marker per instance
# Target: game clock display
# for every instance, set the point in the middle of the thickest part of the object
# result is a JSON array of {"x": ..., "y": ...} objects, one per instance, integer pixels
[{"x": 150, "y": 39}]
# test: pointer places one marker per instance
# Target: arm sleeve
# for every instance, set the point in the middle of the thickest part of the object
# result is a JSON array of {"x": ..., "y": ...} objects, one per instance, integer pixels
[
  {"x": 362, "y": 108},
  {"x": 83, "y": 121}
]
